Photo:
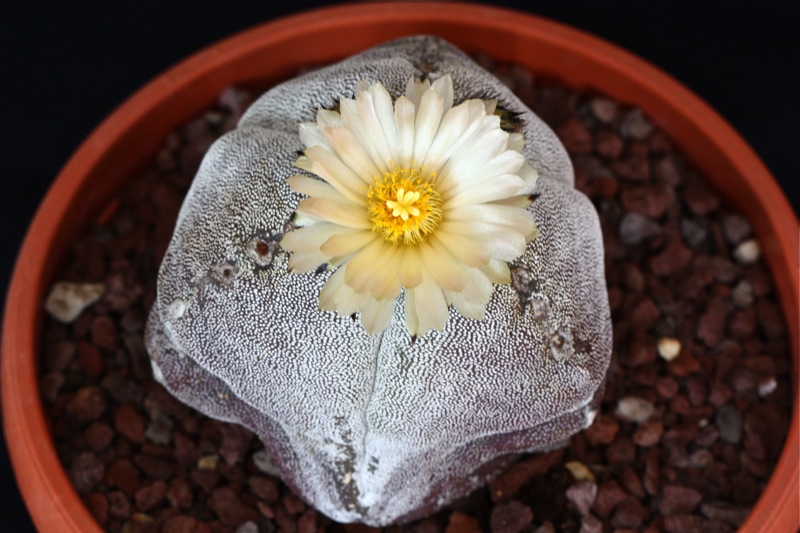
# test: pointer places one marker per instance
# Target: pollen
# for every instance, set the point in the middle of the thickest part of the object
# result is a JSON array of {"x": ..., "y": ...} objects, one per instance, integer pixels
[{"x": 404, "y": 206}]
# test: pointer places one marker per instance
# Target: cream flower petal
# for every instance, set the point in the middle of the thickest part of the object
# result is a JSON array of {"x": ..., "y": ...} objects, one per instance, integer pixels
[
  {"x": 351, "y": 153},
  {"x": 376, "y": 315},
  {"x": 363, "y": 131},
  {"x": 347, "y": 243},
  {"x": 429, "y": 116},
  {"x": 442, "y": 266},
  {"x": 410, "y": 270},
  {"x": 458, "y": 125},
  {"x": 430, "y": 306},
  {"x": 502, "y": 186},
  {"x": 404, "y": 116},
  {"x": 330, "y": 168},
  {"x": 349, "y": 216},
  {"x": 320, "y": 189},
  {"x": 444, "y": 87}
]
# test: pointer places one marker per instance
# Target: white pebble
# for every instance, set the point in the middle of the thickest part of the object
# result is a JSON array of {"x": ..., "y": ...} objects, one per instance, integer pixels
[
  {"x": 67, "y": 299},
  {"x": 669, "y": 348},
  {"x": 748, "y": 252},
  {"x": 633, "y": 409},
  {"x": 742, "y": 294},
  {"x": 767, "y": 387},
  {"x": 264, "y": 462}
]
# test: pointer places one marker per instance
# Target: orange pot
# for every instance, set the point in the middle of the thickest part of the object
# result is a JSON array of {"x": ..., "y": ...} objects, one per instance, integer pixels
[{"x": 124, "y": 143}]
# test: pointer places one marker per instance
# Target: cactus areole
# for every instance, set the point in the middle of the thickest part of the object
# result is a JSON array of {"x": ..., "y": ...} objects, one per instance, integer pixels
[{"x": 359, "y": 275}]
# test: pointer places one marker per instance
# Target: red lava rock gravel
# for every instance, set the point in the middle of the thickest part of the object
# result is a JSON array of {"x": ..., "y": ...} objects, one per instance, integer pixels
[{"x": 680, "y": 445}]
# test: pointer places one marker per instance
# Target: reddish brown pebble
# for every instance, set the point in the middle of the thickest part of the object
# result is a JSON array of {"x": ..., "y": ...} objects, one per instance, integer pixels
[
  {"x": 50, "y": 385},
  {"x": 205, "y": 478},
  {"x": 609, "y": 495},
  {"x": 711, "y": 326},
  {"x": 97, "y": 503},
  {"x": 123, "y": 475},
  {"x": 150, "y": 495},
  {"x": 179, "y": 494},
  {"x": 608, "y": 144},
  {"x": 511, "y": 517},
  {"x": 98, "y": 436},
  {"x": 104, "y": 333},
  {"x": 629, "y": 514},
  {"x": 700, "y": 199},
  {"x": 678, "y": 500},
  {"x": 130, "y": 423},
  {"x": 652, "y": 472},
  {"x": 185, "y": 524},
  {"x": 264, "y": 488},
  {"x": 575, "y": 137},
  {"x": 87, "y": 404},
  {"x": 672, "y": 259},
  {"x": 235, "y": 443},
  {"x": 86, "y": 471},
  {"x": 293, "y": 504},
  {"x": 506, "y": 485},
  {"x": 632, "y": 168},
  {"x": 229, "y": 507},
  {"x": 307, "y": 522},
  {"x": 631, "y": 483},
  {"x": 685, "y": 523},
  {"x": 649, "y": 433},
  {"x": 462, "y": 523},
  {"x": 602, "y": 431},
  {"x": 621, "y": 451},
  {"x": 58, "y": 355},
  {"x": 666, "y": 170},
  {"x": 119, "y": 506},
  {"x": 154, "y": 467},
  {"x": 651, "y": 200},
  {"x": 91, "y": 360}
]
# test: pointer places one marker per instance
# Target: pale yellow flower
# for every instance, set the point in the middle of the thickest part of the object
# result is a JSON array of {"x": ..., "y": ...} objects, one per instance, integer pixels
[{"x": 420, "y": 198}]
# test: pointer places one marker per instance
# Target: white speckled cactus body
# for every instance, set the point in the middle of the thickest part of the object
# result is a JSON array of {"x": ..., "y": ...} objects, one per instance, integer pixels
[{"x": 377, "y": 428}]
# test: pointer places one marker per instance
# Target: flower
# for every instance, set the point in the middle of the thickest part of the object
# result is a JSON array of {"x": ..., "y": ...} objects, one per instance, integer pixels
[{"x": 420, "y": 198}]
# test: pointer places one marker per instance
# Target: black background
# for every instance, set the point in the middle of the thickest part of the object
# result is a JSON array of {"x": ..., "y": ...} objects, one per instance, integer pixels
[{"x": 66, "y": 66}]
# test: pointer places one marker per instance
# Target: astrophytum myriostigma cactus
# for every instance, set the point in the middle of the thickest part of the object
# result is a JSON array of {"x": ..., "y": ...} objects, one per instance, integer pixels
[{"x": 386, "y": 273}]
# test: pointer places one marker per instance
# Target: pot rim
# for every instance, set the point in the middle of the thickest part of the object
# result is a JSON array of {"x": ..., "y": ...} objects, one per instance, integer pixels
[{"x": 50, "y": 496}]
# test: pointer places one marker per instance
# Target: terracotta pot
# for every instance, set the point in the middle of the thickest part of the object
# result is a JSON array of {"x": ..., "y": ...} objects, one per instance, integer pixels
[{"x": 123, "y": 144}]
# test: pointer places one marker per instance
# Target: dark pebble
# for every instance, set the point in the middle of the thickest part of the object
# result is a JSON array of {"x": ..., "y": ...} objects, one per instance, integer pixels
[{"x": 511, "y": 517}]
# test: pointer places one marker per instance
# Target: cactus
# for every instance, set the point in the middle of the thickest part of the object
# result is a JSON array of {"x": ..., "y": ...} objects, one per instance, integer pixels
[{"x": 427, "y": 390}]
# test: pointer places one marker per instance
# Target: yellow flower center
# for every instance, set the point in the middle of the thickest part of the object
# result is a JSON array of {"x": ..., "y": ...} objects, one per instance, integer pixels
[{"x": 403, "y": 206}]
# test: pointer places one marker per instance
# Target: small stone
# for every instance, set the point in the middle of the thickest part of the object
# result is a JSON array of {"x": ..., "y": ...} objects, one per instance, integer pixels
[
  {"x": 590, "y": 524},
  {"x": 686, "y": 523},
  {"x": 604, "y": 109},
  {"x": 635, "y": 126},
  {"x": 123, "y": 475},
  {"x": 742, "y": 294},
  {"x": 633, "y": 409},
  {"x": 649, "y": 433},
  {"x": 104, "y": 333},
  {"x": 208, "y": 462},
  {"x": 579, "y": 471},
  {"x": 693, "y": 232},
  {"x": 767, "y": 386},
  {"x": 609, "y": 495},
  {"x": 669, "y": 348},
  {"x": 184, "y": 524},
  {"x": 748, "y": 252},
  {"x": 574, "y": 136},
  {"x": 506, "y": 485},
  {"x": 150, "y": 495},
  {"x": 97, "y": 503},
  {"x": 725, "y": 512},
  {"x": 736, "y": 228},
  {"x": 462, "y": 523},
  {"x": 582, "y": 495},
  {"x": 155, "y": 467},
  {"x": 602, "y": 431},
  {"x": 629, "y": 514},
  {"x": 608, "y": 144},
  {"x": 98, "y": 436},
  {"x": 672, "y": 259},
  {"x": 180, "y": 494},
  {"x": 86, "y": 471},
  {"x": 729, "y": 421},
  {"x": 264, "y": 463},
  {"x": 67, "y": 300},
  {"x": 91, "y": 360},
  {"x": 511, "y": 517},
  {"x": 50, "y": 385},
  {"x": 235, "y": 443},
  {"x": 635, "y": 229},
  {"x": 130, "y": 423},
  {"x": 247, "y": 527},
  {"x": 263, "y": 488},
  {"x": 88, "y": 404},
  {"x": 119, "y": 506},
  {"x": 230, "y": 508},
  {"x": 677, "y": 499},
  {"x": 700, "y": 199}
]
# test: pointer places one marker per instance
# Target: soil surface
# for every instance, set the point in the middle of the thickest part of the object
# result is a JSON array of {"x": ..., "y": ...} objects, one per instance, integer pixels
[{"x": 695, "y": 411}]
